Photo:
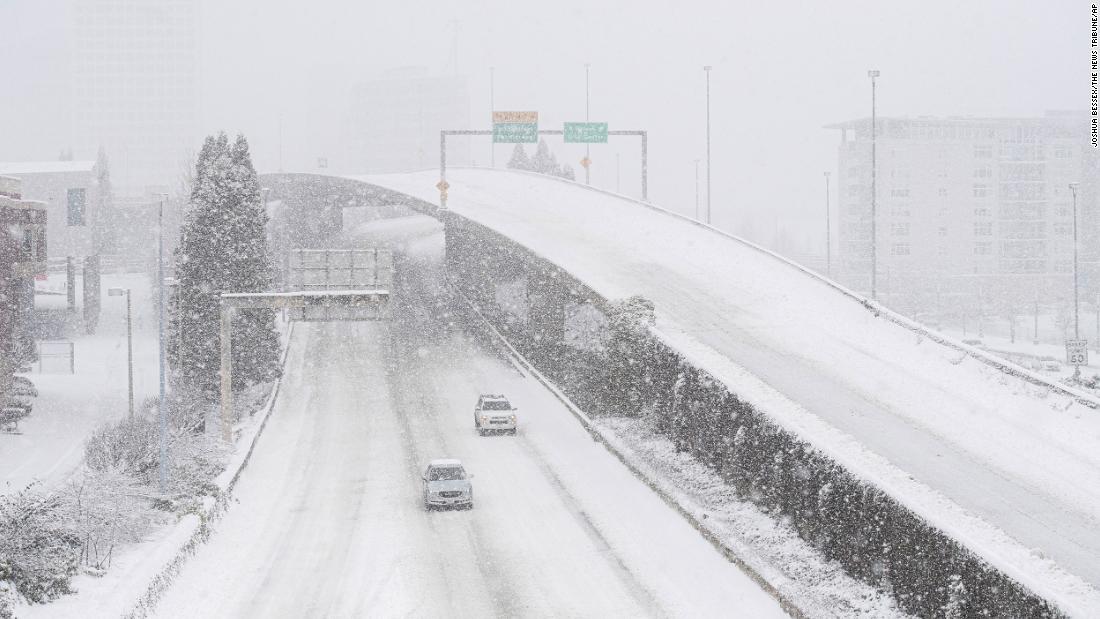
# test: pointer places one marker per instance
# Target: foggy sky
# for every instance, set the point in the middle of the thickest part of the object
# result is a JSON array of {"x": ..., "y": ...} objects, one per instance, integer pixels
[{"x": 781, "y": 72}]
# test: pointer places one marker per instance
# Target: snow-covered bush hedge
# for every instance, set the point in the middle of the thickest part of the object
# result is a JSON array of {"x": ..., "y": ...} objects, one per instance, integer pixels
[{"x": 39, "y": 553}]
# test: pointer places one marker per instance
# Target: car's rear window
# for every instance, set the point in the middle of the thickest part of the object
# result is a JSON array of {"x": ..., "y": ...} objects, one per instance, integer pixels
[
  {"x": 446, "y": 473},
  {"x": 496, "y": 405}
]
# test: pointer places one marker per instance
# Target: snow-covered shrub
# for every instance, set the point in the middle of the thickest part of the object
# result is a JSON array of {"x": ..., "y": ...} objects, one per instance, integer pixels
[
  {"x": 128, "y": 446},
  {"x": 38, "y": 553},
  {"x": 104, "y": 508}
]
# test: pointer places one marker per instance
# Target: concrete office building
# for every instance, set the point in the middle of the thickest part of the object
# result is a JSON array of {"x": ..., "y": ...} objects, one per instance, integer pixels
[
  {"x": 135, "y": 89},
  {"x": 969, "y": 211},
  {"x": 393, "y": 123},
  {"x": 69, "y": 192}
]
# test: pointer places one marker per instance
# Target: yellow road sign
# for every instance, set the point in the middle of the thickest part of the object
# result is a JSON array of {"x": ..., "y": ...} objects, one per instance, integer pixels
[
  {"x": 515, "y": 117},
  {"x": 443, "y": 186},
  {"x": 585, "y": 162}
]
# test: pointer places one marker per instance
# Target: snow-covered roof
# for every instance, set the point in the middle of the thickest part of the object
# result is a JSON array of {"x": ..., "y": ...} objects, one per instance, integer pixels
[{"x": 45, "y": 167}]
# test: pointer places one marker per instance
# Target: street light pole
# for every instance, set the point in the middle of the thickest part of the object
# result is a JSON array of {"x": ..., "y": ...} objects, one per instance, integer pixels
[
  {"x": 696, "y": 190},
  {"x": 118, "y": 292},
  {"x": 161, "y": 415},
  {"x": 492, "y": 108},
  {"x": 874, "y": 136},
  {"x": 1076, "y": 301},
  {"x": 828, "y": 232},
  {"x": 587, "y": 150},
  {"x": 706, "y": 69}
]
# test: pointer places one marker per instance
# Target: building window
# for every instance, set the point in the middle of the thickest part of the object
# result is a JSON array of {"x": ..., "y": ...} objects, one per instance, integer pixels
[
  {"x": 899, "y": 192},
  {"x": 1063, "y": 229},
  {"x": 899, "y": 229},
  {"x": 983, "y": 248},
  {"x": 900, "y": 249},
  {"x": 983, "y": 151},
  {"x": 942, "y": 231},
  {"x": 983, "y": 172},
  {"x": 1063, "y": 266},
  {"x": 1063, "y": 152},
  {"x": 983, "y": 228},
  {"x": 981, "y": 191},
  {"x": 981, "y": 211},
  {"x": 76, "y": 207},
  {"x": 943, "y": 192}
]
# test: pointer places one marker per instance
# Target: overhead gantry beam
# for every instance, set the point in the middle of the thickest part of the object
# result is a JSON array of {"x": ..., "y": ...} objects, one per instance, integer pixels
[{"x": 314, "y": 306}]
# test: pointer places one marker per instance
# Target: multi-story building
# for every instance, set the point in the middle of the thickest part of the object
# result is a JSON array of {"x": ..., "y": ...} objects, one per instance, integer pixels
[
  {"x": 69, "y": 192},
  {"x": 969, "y": 211},
  {"x": 22, "y": 257},
  {"x": 394, "y": 122},
  {"x": 135, "y": 88}
]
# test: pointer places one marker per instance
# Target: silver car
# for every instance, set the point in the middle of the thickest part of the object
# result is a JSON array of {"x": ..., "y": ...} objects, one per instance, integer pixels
[{"x": 446, "y": 484}]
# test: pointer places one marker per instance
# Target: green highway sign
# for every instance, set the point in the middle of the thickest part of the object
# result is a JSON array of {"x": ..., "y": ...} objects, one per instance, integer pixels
[
  {"x": 515, "y": 133},
  {"x": 586, "y": 133}
]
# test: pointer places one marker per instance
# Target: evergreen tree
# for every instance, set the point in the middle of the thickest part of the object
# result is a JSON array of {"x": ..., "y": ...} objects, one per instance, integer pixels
[
  {"x": 567, "y": 172},
  {"x": 519, "y": 160},
  {"x": 222, "y": 248},
  {"x": 544, "y": 161}
]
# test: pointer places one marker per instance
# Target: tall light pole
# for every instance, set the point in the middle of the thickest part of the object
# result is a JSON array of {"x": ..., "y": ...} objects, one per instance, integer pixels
[
  {"x": 492, "y": 108},
  {"x": 706, "y": 69},
  {"x": 828, "y": 232},
  {"x": 118, "y": 292},
  {"x": 587, "y": 150},
  {"x": 161, "y": 414},
  {"x": 1076, "y": 303},
  {"x": 696, "y": 190},
  {"x": 874, "y": 178},
  {"x": 617, "y": 186}
]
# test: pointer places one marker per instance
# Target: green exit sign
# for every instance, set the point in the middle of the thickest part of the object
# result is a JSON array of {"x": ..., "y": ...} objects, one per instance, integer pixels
[
  {"x": 515, "y": 133},
  {"x": 586, "y": 133}
]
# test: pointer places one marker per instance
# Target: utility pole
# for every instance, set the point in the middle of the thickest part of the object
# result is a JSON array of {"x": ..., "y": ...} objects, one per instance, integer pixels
[
  {"x": 696, "y": 190},
  {"x": 118, "y": 292},
  {"x": 1035, "y": 326},
  {"x": 706, "y": 69},
  {"x": 874, "y": 136},
  {"x": 828, "y": 232},
  {"x": 161, "y": 413},
  {"x": 587, "y": 150},
  {"x": 454, "y": 48},
  {"x": 1076, "y": 300},
  {"x": 492, "y": 108}
]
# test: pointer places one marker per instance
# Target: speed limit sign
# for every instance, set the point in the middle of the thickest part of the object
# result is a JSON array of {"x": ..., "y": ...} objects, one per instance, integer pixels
[{"x": 1077, "y": 352}]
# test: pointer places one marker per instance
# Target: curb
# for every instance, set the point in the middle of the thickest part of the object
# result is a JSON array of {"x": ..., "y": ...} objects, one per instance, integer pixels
[
  {"x": 212, "y": 510},
  {"x": 755, "y": 572}
]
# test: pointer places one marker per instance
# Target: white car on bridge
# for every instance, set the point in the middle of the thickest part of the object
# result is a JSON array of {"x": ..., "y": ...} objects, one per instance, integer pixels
[
  {"x": 446, "y": 484},
  {"x": 494, "y": 413}
]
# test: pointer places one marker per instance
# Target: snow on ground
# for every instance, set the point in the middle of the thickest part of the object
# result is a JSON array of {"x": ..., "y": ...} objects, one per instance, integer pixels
[
  {"x": 50, "y": 444},
  {"x": 328, "y": 520},
  {"x": 1008, "y": 451}
]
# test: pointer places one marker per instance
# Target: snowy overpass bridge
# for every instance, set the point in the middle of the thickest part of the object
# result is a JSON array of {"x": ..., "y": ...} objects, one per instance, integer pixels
[{"x": 998, "y": 459}]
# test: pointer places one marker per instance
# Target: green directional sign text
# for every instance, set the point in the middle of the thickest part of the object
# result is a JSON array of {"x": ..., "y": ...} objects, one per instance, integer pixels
[
  {"x": 586, "y": 133},
  {"x": 514, "y": 133}
]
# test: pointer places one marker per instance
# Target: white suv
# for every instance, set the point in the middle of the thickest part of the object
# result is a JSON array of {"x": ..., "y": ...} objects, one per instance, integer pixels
[
  {"x": 446, "y": 484},
  {"x": 494, "y": 413}
]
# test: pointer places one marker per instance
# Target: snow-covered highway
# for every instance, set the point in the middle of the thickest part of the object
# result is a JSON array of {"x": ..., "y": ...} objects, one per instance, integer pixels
[
  {"x": 1013, "y": 454},
  {"x": 327, "y": 518}
]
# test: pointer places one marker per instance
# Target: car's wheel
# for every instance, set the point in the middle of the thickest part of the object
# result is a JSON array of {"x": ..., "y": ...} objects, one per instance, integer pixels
[
  {"x": 480, "y": 432},
  {"x": 514, "y": 430}
]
